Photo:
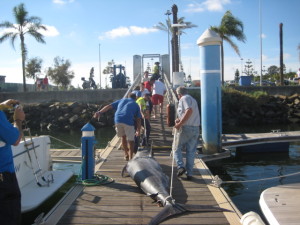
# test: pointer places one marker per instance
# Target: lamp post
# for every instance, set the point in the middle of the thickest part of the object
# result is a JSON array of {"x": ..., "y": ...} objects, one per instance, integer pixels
[
  {"x": 99, "y": 67},
  {"x": 168, "y": 13}
]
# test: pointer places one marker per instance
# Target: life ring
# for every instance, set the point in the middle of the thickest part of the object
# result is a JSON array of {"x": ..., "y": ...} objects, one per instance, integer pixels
[{"x": 171, "y": 115}]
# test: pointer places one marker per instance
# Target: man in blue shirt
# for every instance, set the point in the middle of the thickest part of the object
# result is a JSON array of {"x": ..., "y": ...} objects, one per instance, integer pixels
[
  {"x": 10, "y": 195},
  {"x": 126, "y": 115}
]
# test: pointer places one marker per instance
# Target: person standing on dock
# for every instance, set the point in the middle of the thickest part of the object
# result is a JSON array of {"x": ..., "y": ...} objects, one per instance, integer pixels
[
  {"x": 146, "y": 76},
  {"x": 156, "y": 70},
  {"x": 159, "y": 90},
  {"x": 188, "y": 129},
  {"x": 10, "y": 195},
  {"x": 127, "y": 113}
]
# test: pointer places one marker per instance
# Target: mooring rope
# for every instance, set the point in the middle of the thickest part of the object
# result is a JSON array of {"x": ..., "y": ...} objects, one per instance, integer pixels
[
  {"x": 174, "y": 145},
  {"x": 64, "y": 142},
  {"x": 98, "y": 179},
  {"x": 217, "y": 181}
]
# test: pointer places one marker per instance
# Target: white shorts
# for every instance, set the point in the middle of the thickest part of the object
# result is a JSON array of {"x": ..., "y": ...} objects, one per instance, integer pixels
[{"x": 123, "y": 129}]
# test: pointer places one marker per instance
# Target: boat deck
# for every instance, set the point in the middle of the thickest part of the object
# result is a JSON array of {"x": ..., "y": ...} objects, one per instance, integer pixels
[
  {"x": 122, "y": 202},
  {"x": 280, "y": 204}
]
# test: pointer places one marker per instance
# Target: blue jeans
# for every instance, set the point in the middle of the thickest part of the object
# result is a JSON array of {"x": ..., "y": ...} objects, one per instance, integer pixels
[{"x": 187, "y": 138}]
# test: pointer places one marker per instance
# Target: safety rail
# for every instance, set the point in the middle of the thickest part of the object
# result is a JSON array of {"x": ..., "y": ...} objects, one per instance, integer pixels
[
  {"x": 134, "y": 84},
  {"x": 172, "y": 98}
]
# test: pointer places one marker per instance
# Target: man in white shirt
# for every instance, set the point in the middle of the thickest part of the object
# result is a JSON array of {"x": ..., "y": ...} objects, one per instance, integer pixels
[
  {"x": 187, "y": 135},
  {"x": 158, "y": 92}
]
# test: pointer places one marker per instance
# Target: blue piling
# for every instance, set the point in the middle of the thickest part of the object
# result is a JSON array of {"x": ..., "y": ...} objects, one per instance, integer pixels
[
  {"x": 210, "y": 75},
  {"x": 87, "y": 148}
]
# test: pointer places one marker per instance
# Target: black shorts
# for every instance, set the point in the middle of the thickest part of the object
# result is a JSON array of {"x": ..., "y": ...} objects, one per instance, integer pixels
[{"x": 10, "y": 199}]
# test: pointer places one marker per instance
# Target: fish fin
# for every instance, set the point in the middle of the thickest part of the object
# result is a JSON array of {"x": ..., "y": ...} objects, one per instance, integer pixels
[
  {"x": 177, "y": 208},
  {"x": 124, "y": 170}
]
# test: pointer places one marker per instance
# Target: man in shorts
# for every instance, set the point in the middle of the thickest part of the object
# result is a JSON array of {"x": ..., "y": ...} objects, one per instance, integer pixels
[
  {"x": 159, "y": 90},
  {"x": 127, "y": 114}
]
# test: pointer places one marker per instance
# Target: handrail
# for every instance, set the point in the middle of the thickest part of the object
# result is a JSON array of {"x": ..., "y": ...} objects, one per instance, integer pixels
[
  {"x": 135, "y": 82},
  {"x": 172, "y": 98}
]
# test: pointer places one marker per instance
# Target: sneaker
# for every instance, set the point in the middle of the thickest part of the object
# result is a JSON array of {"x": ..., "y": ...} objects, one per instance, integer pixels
[{"x": 181, "y": 171}]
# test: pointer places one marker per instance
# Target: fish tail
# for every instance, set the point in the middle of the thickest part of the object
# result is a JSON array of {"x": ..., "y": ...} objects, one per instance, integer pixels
[{"x": 177, "y": 208}]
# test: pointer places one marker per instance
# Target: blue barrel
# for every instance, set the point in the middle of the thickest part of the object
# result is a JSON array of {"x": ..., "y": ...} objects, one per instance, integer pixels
[{"x": 245, "y": 81}]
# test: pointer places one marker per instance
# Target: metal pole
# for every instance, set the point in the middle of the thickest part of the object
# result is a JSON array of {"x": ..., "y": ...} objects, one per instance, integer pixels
[
  {"x": 99, "y": 67},
  {"x": 260, "y": 38}
]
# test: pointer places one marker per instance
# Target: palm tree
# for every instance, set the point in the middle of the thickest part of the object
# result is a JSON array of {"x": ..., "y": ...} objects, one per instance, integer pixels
[
  {"x": 167, "y": 27},
  {"x": 230, "y": 27},
  {"x": 24, "y": 25}
]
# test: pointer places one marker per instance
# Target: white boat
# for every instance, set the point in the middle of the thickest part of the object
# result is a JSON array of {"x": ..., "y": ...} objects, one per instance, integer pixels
[
  {"x": 36, "y": 179},
  {"x": 281, "y": 204}
]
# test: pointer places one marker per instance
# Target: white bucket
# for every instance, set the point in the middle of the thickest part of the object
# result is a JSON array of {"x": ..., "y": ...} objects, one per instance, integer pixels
[{"x": 251, "y": 218}]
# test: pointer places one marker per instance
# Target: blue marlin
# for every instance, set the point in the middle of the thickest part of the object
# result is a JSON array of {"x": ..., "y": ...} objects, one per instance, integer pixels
[{"x": 148, "y": 175}]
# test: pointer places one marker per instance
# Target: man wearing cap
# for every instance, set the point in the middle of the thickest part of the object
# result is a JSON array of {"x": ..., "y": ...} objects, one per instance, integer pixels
[{"x": 127, "y": 114}]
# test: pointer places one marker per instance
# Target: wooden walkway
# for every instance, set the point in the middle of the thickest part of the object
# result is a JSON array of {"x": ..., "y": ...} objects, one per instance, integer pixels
[{"x": 122, "y": 202}]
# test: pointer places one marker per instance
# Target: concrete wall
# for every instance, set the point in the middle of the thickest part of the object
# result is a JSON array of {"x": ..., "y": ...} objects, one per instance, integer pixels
[
  {"x": 88, "y": 96},
  {"x": 96, "y": 96}
]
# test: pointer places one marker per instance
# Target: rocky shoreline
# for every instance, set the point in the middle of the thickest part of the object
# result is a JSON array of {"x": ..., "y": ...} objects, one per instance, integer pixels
[{"x": 66, "y": 116}]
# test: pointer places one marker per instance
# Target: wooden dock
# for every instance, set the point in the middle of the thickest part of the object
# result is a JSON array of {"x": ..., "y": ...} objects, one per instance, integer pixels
[{"x": 122, "y": 202}]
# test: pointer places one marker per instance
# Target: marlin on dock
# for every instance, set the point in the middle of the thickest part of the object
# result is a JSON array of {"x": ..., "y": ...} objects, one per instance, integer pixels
[{"x": 148, "y": 175}]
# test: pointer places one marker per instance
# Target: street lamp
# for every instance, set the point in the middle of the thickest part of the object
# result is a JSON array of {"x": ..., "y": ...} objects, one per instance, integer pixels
[
  {"x": 99, "y": 67},
  {"x": 168, "y": 13}
]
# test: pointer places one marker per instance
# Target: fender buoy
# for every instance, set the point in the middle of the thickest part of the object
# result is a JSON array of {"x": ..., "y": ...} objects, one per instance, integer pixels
[{"x": 171, "y": 115}]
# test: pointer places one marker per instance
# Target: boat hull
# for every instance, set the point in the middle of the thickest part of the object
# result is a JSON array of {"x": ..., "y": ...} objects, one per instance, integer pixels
[{"x": 36, "y": 180}]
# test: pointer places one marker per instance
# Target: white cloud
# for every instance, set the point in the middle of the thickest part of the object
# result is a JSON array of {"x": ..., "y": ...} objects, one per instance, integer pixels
[
  {"x": 50, "y": 32},
  {"x": 263, "y": 36},
  {"x": 264, "y": 57},
  {"x": 208, "y": 5},
  {"x": 62, "y": 2},
  {"x": 126, "y": 31}
]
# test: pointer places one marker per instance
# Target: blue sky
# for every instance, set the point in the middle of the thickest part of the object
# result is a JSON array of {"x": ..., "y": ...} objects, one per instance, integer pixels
[{"x": 123, "y": 28}]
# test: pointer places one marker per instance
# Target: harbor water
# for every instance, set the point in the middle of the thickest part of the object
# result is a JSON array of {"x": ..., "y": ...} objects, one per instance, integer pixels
[{"x": 245, "y": 178}]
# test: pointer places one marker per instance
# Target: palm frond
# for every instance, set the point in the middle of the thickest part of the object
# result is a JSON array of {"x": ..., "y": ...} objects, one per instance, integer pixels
[{"x": 233, "y": 45}]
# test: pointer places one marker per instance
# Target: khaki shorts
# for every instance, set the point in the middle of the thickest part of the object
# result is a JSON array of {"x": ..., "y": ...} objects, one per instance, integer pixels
[{"x": 123, "y": 129}]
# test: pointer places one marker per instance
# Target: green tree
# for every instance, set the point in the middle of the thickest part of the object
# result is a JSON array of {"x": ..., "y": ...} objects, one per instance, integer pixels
[
  {"x": 33, "y": 66},
  {"x": 24, "y": 25},
  {"x": 273, "y": 70},
  {"x": 60, "y": 73},
  {"x": 236, "y": 76},
  {"x": 108, "y": 69},
  {"x": 167, "y": 27},
  {"x": 230, "y": 27}
]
